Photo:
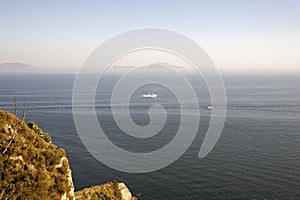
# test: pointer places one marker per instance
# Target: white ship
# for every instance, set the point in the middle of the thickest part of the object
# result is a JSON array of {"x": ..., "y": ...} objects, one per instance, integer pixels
[{"x": 150, "y": 95}]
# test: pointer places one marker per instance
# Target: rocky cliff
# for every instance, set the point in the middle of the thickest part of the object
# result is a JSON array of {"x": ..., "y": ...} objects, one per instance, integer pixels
[
  {"x": 31, "y": 167},
  {"x": 109, "y": 191}
]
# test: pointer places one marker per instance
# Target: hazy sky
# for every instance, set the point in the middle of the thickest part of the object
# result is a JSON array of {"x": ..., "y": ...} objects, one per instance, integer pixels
[{"x": 238, "y": 35}]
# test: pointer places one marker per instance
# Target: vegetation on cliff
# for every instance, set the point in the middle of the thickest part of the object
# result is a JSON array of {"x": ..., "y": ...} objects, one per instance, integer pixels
[
  {"x": 30, "y": 166},
  {"x": 109, "y": 191}
]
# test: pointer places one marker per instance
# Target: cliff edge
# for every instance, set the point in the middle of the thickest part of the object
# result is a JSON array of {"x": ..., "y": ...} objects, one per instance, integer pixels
[
  {"x": 31, "y": 167},
  {"x": 109, "y": 191}
]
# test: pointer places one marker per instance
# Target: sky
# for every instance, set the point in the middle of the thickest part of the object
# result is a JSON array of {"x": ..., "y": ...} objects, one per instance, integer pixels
[{"x": 241, "y": 35}]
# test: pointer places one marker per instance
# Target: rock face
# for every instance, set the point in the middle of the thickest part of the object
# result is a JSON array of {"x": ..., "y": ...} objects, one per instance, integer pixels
[
  {"x": 108, "y": 191},
  {"x": 31, "y": 167}
]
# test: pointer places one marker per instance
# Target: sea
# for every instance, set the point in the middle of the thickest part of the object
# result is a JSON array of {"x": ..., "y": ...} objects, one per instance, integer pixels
[{"x": 256, "y": 157}]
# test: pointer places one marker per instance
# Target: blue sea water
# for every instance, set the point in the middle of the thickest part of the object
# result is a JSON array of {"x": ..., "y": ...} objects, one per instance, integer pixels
[{"x": 256, "y": 157}]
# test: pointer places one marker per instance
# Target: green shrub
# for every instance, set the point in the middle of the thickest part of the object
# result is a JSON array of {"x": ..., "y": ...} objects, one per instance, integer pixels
[{"x": 27, "y": 168}]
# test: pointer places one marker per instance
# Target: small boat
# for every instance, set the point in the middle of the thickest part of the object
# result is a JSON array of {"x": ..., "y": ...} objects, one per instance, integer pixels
[{"x": 150, "y": 95}]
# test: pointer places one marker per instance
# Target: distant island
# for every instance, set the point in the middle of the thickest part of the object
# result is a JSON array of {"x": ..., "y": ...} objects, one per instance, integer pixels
[
  {"x": 158, "y": 65},
  {"x": 148, "y": 68},
  {"x": 17, "y": 67}
]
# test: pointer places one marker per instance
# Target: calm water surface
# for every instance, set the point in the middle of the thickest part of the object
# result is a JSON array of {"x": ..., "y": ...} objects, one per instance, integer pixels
[{"x": 257, "y": 156}]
